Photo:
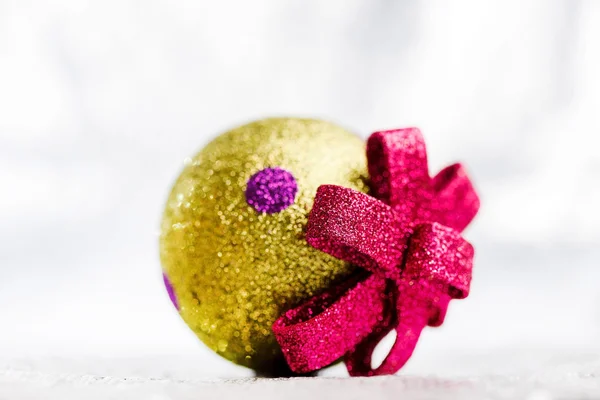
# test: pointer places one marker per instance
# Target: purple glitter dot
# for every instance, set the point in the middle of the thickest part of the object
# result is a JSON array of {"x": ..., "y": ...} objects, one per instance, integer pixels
[
  {"x": 170, "y": 291},
  {"x": 271, "y": 190}
]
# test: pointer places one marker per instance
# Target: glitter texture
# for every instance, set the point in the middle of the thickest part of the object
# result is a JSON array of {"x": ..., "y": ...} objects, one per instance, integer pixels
[
  {"x": 235, "y": 271},
  {"x": 271, "y": 190},
  {"x": 407, "y": 238}
]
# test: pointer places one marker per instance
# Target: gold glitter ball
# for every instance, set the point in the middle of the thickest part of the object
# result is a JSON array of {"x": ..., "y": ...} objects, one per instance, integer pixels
[{"x": 234, "y": 270}]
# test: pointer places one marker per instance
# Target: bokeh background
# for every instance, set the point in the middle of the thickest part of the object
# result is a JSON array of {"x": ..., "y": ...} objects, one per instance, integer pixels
[{"x": 101, "y": 102}]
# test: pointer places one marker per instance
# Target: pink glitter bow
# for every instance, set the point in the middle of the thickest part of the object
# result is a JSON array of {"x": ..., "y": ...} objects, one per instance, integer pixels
[{"x": 407, "y": 237}]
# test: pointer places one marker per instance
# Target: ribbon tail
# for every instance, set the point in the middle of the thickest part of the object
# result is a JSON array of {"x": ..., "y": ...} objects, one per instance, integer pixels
[
  {"x": 358, "y": 361},
  {"x": 455, "y": 202},
  {"x": 408, "y": 329},
  {"x": 322, "y": 330}
]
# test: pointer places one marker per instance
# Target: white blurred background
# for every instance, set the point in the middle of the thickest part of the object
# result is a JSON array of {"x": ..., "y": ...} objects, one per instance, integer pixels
[{"x": 101, "y": 101}]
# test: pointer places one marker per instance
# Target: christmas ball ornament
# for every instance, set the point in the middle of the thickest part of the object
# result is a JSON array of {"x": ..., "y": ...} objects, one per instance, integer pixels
[{"x": 233, "y": 237}]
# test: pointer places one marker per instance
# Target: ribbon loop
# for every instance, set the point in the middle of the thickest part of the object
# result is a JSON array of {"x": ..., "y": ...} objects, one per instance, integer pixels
[
  {"x": 357, "y": 228},
  {"x": 455, "y": 202},
  {"x": 398, "y": 169},
  {"x": 440, "y": 256}
]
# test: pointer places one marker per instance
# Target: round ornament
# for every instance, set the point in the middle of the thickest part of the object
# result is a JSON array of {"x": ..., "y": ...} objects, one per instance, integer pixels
[{"x": 233, "y": 236}]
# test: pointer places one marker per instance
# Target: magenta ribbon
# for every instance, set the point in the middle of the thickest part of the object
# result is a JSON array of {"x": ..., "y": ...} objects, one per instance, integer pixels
[{"x": 407, "y": 236}]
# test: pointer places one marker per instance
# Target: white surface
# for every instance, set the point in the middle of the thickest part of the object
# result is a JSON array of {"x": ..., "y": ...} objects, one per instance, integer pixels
[
  {"x": 533, "y": 376},
  {"x": 101, "y": 101}
]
